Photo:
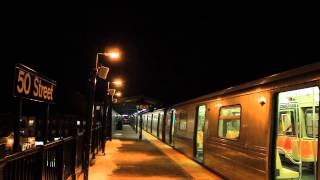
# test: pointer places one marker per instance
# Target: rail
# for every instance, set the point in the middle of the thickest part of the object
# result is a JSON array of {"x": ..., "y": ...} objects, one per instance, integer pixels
[
  {"x": 287, "y": 155},
  {"x": 20, "y": 165},
  {"x": 55, "y": 160}
]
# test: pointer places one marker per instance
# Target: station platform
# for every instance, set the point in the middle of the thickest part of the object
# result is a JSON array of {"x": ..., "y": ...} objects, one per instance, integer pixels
[{"x": 127, "y": 157}]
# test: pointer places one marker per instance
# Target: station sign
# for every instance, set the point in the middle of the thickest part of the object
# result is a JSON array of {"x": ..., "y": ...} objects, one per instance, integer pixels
[
  {"x": 31, "y": 85},
  {"x": 142, "y": 106}
]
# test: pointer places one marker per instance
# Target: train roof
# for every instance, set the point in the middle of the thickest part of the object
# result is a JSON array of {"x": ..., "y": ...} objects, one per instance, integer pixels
[{"x": 269, "y": 79}]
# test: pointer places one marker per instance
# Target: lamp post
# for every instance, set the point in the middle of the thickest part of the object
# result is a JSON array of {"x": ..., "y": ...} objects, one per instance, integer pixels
[
  {"x": 108, "y": 102},
  {"x": 102, "y": 72}
]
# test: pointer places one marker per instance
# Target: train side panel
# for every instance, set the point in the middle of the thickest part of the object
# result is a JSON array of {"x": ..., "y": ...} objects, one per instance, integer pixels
[
  {"x": 243, "y": 157},
  {"x": 184, "y": 129},
  {"x": 155, "y": 116},
  {"x": 160, "y": 124},
  {"x": 167, "y": 125},
  {"x": 149, "y": 121}
]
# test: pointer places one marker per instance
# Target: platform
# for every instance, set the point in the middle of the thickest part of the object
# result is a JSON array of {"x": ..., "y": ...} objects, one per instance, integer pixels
[{"x": 128, "y": 158}]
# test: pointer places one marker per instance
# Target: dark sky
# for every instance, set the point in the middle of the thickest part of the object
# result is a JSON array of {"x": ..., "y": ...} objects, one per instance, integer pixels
[{"x": 171, "y": 53}]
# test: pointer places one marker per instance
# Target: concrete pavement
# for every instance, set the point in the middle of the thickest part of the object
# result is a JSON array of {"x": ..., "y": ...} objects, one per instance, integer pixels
[{"x": 128, "y": 158}]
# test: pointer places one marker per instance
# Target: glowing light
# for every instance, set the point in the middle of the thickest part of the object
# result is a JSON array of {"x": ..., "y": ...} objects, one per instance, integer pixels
[
  {"x": 113, "y": 53},
  {"x": 117, "y": 82},
  {"x": 39, "y": 143},
  {"x": 10, "y": 142},
  {"x": 31, "y": 140},
  {"x": 31, "y": 122},
  {"x": 118, "y": 94}
]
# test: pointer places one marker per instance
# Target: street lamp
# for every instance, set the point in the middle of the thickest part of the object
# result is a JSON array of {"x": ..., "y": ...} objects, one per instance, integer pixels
[
  {"x": 118, "y": 94},
  {"x": 117, "y": 82},
  {"x": 101, "y": 72},
  {"x": 108, "y": 102}
]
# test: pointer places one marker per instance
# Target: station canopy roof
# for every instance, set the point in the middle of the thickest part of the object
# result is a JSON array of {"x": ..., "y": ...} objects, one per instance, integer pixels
[{"x": 130, "y": 105}]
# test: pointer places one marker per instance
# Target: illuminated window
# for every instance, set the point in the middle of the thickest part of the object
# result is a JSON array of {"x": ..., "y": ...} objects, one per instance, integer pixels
[
  {"x": 229, "y": 122},
  {"x": 312, "y": 121}
]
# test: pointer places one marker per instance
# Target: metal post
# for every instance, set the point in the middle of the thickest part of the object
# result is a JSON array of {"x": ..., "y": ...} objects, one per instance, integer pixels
[
  {"x": 17, "y": 127},
  {"x": 109, "y": 118},
  {"x": 94, "y": 136},
  {"x": 103, "y": 133},
  {"x": 45, "y": 140},
  {"x": 105, "y": 118},
  {"x": 136, "y": 123},
  {"x": 90, "y": 114},
  {"x": 140, "y": 134}
]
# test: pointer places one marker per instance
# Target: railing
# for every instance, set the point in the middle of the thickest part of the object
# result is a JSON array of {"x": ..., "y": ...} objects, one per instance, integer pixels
[
  {"x": 79, "y": 152},
  {"x": 97, "y": 139},
  {"x": 23, "y": 165},
  {"x": 69, "y": 157},
  {"x": 53, "y": 161}
]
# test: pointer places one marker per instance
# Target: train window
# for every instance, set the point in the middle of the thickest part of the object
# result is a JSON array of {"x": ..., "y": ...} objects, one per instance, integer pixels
[
  {"x": 229, "y": 122},
  {"x": 297, "y": 137},
  {"x": 312, "y": 121},
  {"x": 286, "y": 122}
]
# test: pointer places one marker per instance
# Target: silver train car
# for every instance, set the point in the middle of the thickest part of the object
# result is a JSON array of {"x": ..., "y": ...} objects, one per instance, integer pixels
[{"x": 264, "y": 129}]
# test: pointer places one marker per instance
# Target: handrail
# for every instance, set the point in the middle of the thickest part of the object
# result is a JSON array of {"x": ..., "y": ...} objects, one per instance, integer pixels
[
  {"x": 70, "y": 138},
  {"x": 57, "y": 143},
  {"x": 19, "y": 155},
  {"x": 52, "y": 144},
  {"x": 289, "y": 156}
]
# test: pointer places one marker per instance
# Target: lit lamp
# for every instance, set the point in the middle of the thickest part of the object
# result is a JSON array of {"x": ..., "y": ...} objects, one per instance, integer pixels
[
  {"x": 118, "y": 94},
  {"x": 102, "y": 73},
  {"x": 117, "y": 82}
]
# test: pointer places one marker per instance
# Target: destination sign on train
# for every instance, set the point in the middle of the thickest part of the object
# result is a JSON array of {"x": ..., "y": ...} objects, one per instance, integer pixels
[{"x": 32, "y": 85}]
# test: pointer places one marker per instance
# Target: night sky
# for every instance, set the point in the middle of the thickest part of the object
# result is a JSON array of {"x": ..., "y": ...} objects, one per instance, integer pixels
[{"x": 171, "y": 53}]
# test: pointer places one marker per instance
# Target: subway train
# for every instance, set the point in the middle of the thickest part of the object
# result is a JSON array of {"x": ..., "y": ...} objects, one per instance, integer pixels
[{"x": 264, "y": 129}]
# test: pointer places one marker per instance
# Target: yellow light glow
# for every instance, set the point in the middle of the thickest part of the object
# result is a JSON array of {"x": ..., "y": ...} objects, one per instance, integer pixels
[
  {"x": 31, "y": 140},
  {"x": 9, "y": 143},
  {"x": 113, "y": 53},
  {"x": 118, "y": 82},
  {"x": 118, "y": 94}
]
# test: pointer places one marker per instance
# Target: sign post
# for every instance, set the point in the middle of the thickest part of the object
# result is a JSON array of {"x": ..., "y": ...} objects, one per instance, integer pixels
[{"x": 31, "y": 85}]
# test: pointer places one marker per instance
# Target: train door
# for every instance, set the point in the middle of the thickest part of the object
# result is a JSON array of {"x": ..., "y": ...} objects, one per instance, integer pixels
[
  {"x": 147, "y": 120},
  {"x": 158, "y": 125},
  {"x": 297, "y": 121},
  {"x": 172, "y": 127},
  {"x": 199, "y": 132}
]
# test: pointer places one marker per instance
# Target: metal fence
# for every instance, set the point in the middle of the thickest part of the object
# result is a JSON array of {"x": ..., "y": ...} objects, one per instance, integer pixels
[{"x": 54, "y": 161}]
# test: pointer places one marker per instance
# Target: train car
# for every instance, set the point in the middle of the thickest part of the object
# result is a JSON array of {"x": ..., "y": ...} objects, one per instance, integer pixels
[
  {"x": 156, "y": 122},
  {"x": 264, "y": 129}
]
